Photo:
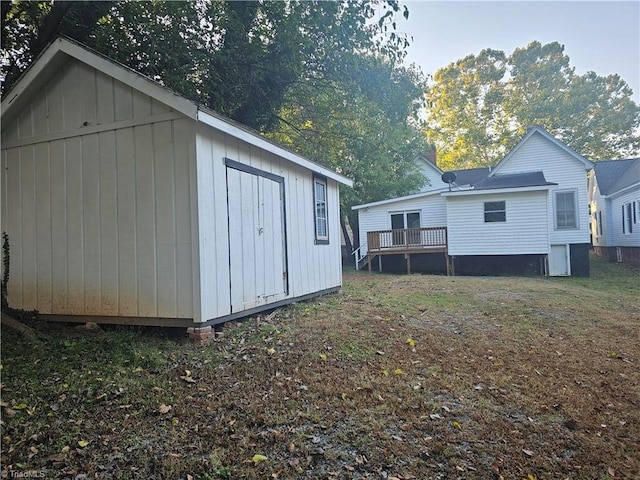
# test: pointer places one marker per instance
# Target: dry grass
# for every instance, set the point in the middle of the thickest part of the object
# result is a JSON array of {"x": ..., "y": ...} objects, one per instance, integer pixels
[{"x": 422, "y": 377}]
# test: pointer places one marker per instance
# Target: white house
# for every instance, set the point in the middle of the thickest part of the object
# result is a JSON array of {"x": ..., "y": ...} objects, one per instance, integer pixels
[
  {"x": 125, "y": 202},
  {"x": 614, "y": 203},
  {"x": 531, "y": 208}
]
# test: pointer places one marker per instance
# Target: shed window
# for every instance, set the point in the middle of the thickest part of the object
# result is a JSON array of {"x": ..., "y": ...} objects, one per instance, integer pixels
[
  {"x": 566, "y": 210},
  {"x": 495, "y": 212},
  {"x": 320, "y": 196}
]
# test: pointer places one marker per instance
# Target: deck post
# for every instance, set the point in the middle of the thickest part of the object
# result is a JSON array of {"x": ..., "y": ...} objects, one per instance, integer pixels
[
  {"x": 446, "y": 259},
  {"x": 380, "y": 263},
  {"x": 369, "y": 259},
  {"x": 407, "y": 256}
]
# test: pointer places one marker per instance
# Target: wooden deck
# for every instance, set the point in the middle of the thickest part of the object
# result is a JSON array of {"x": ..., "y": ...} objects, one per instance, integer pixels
[{"x": 407, "y": 241}]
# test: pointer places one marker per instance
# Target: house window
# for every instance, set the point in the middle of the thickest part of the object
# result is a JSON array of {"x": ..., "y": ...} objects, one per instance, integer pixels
[
  {"x": 600, "y": 222},
  {"x": 405, "y": 220},
  {"x": 495, "y": 212},
  {"x": 627, "y": 218},
  {"x": 320, "y": 198},
  {"x": 565, "y": 205}
]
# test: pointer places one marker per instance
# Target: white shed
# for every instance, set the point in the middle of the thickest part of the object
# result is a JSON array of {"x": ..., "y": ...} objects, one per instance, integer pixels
[{"x": 127, "y": 203}]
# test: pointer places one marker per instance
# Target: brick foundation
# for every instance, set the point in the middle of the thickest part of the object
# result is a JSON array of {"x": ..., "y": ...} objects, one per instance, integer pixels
[{"x": 201, "y": 335}]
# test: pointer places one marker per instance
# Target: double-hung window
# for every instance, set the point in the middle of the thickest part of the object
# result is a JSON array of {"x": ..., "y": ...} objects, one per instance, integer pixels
[
  {"x": 320, "y": 212},
  {"x": 495, "y": 212},
  {"x": 627, "y": 218},
  {"x": 566, "y": 210}
]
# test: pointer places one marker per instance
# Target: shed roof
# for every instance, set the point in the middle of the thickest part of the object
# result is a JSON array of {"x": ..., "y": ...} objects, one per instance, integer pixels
[
  {"x": 616, "y": 175},
  {"x": 58, "y": 53}
]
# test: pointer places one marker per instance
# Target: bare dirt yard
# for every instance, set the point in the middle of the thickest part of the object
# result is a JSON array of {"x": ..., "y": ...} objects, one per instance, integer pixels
[{"x": 395, "y": 377}]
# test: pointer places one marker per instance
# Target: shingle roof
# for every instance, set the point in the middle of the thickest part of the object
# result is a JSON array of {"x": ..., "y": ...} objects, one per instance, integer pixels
[
  {"x": 471, "y": 176},
  {"x": 513, "y": 180},
  {"x": 614, "y": 175}
]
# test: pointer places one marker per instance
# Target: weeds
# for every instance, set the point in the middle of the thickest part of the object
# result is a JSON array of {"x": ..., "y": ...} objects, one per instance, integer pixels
[{"x": 513, "y": 377}]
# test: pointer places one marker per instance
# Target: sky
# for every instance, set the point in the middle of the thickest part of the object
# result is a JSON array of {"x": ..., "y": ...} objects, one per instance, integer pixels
[{"x": 603, "y": 37}]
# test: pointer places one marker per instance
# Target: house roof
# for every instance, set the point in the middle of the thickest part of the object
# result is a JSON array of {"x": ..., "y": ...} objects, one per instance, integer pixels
[
  {"x": 540, "y": 131},
  {"x": 61, "y": 50},
  {"x": 397, "y": 199},
  {"x": 616, "y": 175},
  {"x": 471, "y": 176},
  {"x": 513, "y": 180}
]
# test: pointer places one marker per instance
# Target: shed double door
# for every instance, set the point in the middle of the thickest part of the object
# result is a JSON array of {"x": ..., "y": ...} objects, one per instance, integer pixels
[{"x": 257, "y": 253}]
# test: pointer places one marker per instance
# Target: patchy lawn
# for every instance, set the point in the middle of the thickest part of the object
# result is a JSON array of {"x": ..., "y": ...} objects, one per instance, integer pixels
[{"x": 404, "y": 377}]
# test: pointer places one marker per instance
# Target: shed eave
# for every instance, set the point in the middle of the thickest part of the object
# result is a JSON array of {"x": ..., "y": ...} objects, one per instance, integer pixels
[
  {"x": 60, "y": 51},
  {"x": 238, "y": 131}
]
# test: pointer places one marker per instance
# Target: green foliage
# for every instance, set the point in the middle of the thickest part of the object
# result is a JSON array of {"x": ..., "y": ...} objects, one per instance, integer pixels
[
  {"x": 322, "y": 77},
  {"x": 480, "y": 106}
]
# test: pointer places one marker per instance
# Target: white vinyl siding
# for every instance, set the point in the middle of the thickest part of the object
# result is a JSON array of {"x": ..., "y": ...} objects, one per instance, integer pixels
[
  {"x": 525, "y": 230},
  {"x": 432, "y": 208},
  {"x": 559, "y": 167},
  {"x": 622, "y": 235}
]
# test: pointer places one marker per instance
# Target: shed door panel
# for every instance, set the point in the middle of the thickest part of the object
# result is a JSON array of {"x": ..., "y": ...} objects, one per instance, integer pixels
[{"x": 256, "y": 240}]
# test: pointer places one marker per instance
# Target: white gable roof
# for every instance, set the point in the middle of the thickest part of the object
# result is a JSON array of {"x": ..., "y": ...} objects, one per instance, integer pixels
[
  {"x": 62, "y": 49},
  {"x": 539, "y": 131}
]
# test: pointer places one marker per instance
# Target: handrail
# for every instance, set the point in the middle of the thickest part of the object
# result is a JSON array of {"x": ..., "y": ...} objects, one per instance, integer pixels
[
  {"x": 358, "y": 257},
  {"x": 407, "y": 238}
]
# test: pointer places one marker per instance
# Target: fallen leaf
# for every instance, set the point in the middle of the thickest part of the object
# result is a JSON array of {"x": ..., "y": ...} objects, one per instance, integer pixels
[
  {"x": 83, "y": 443},
  {"x": 323, "y": 356},
  {"x": 271, "y": 351},
  {"x": 164, "y": 408},
  {"x": 20, "y": 406},
  {"x": 435, "y": 416},
  {"x": 611, "y": 471},
  {"x": 257, "y": 458},
  {"x": 398, "y": 371},
  {"x": 456, "y": 425},
  {"x": 188, "y": 378},
  {"x": 528, "y": 453},
  {"x": 411, "y": 342},
  {"x": 384, "y": 372}
]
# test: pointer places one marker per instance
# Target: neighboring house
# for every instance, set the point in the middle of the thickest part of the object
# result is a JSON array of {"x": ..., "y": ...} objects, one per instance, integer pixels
[
  {"x": 127, "y": 203},
  {"x": 527, "y": 213},
  {"x": 614, "y": 203}
]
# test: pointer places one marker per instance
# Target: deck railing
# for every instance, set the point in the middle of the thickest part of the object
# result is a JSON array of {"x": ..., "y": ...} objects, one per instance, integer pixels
[{"x": 407, "y": 239}]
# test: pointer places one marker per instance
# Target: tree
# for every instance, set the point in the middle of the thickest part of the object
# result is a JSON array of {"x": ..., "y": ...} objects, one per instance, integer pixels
[
  {"x": 474, "y": 119},
  {"x": 322, "y": 77},
  {"x": 363, "y": 124},
  {"x": 465, "y": 117}
]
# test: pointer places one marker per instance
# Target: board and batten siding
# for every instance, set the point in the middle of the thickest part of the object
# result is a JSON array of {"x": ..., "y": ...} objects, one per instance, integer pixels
[
  {"x": 524, "y": 232},
  {"x": 538, "y": 153},
  {"x": 310, "y": 268},
  {"x": 432, "y": 210},
  {"x": 96, "y": 201}
]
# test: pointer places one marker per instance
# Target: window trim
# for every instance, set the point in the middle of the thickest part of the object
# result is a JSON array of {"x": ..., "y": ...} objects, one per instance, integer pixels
[
  {"x": 628, "y": 212},
  {"x": 502, "y": 211},
  {"x": 576, "y": 215},
  {"x": 320, "y": 239}
]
